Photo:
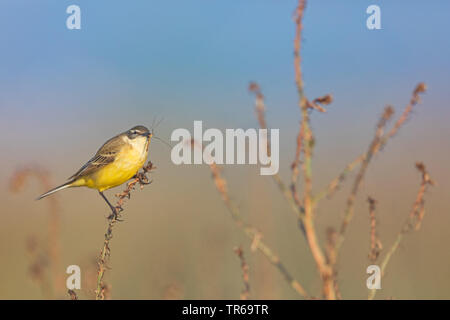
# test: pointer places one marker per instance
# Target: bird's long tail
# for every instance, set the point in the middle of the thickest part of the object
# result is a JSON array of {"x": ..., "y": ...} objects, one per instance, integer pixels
[{"x": 63, "y": 186}]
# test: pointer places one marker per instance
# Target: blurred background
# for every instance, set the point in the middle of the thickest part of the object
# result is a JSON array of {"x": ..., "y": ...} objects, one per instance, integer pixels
[{"x": 64, "y": 92}]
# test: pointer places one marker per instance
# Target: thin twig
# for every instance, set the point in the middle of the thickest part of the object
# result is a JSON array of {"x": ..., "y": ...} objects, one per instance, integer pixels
[
  {"x": 294, "y": 203},
  {"x": 305, "y": 143},
  {"x": 375, "y": 243},
  {"x": 333, "y": 186},
  {"x": 245, "y": 294},
  {"x": 415, "y": 99},
  {"x": 299, "y": 82},
  {"x": 142, "y": 179},
  {"x": 377, "y": 144},
  {"x": 330, "y": 253},
  {"x": 373, "y": 148},
  {"x": 251, "y": 233},
  {"x": 412, "y": 223}
]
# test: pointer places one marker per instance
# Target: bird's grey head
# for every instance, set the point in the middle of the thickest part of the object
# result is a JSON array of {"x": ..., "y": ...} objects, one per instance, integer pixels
[{"x": 138, "y": 131}]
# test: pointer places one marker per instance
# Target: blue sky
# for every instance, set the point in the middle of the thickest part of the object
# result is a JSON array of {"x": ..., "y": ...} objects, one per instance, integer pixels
[{"x": 190, "y": 60}]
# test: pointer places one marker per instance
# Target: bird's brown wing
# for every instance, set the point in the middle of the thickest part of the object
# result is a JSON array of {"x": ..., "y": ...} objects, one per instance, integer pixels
[{"x": 104, "y": 156}]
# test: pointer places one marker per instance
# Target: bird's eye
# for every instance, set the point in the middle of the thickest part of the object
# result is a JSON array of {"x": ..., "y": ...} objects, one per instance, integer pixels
[{"x": 132, "y": 134}]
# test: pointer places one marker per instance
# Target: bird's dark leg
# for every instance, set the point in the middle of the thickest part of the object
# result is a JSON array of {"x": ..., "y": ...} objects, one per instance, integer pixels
[{"x": 114, "y": 210}]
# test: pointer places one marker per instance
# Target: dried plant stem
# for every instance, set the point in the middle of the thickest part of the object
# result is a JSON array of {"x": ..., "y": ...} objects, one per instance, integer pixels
[
  {"x": 251, "y": 233},
  {"x": 297, "y": 46},
  {"x": 377, "y": 144},
  {"x": 373, "y": 148},
  {"x": 305, "y": 143},
  {"x": 295, "y": 205},
  {"x": 333, "y": 186},
  {"x": 415, "y": 99},
  {"x": 104, "y": 254},
  {"x": 304, "y": 137},
  {"x": 413, "y": 222},
  {"x": 325, "y": 270},
  {"x": 330, "y": 252},
  {"x": 245, "y": 294},
  {"x": 326, "y": 260},
  {"x": 142, "y": 179},
  {"x": 375, "y": 243}
]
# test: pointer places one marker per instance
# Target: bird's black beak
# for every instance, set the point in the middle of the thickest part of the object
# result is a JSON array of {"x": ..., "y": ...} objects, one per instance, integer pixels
[{"x": 148, "y": 134}]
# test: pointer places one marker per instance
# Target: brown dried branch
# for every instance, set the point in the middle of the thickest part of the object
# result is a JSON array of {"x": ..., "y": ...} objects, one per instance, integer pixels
[
  {"x": 245, "y": 294},
  {"x": 141, "y": 179},
  {"x": 330, "y": 247},
  {"x": 417, "y": 213},
  {"x": 295, "y": 168},
  {"x": 373, "y": 148},
  {"x": 326, "y": 263},
  {"x": 259, "y": 107},
  {"x": 378, "y": 143},
  {"x": 412, "y": 223},
  {"x": 302, "y": 99},
  {"x": 294, "y": 202},
  {"x": 305, "y": 143},
  {"x": 330, "y": 251},
  {"x": 251, "y": 233},
  {"x": 335, "y": 183},
  {"x": 375, "y": 243},
  {"x": 415, "y": 99}
]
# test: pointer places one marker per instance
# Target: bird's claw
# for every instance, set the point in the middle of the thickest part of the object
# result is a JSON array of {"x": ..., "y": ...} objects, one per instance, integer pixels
[{"x": 115, "y": 214}]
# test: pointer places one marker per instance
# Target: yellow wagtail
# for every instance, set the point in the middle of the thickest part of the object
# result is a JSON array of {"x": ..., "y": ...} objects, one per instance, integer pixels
[{"x": 117, "y": 161}]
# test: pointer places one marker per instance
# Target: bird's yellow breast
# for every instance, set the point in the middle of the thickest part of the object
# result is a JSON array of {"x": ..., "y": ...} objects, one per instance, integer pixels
[{"x": 126, "y": 164}]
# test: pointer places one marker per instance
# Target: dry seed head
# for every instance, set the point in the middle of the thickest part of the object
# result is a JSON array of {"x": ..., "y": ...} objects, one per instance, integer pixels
[
  {"x": 324, "y": 100},
  {"x": 372, "y": 202},
  {"x": 253, "y": 87},
  {"x": 421, "y": 88},
  {"x": 388, "y": 112},
  {"x": 425, "y": 176}
]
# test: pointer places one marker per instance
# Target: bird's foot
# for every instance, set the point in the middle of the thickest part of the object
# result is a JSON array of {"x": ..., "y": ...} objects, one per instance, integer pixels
[
  {"x": 115, "y": 214},
  {"x": 143, "y": 179}
]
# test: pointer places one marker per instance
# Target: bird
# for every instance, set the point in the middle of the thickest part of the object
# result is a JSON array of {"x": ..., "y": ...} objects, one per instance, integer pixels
[{"x": 118, "y": 160}]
